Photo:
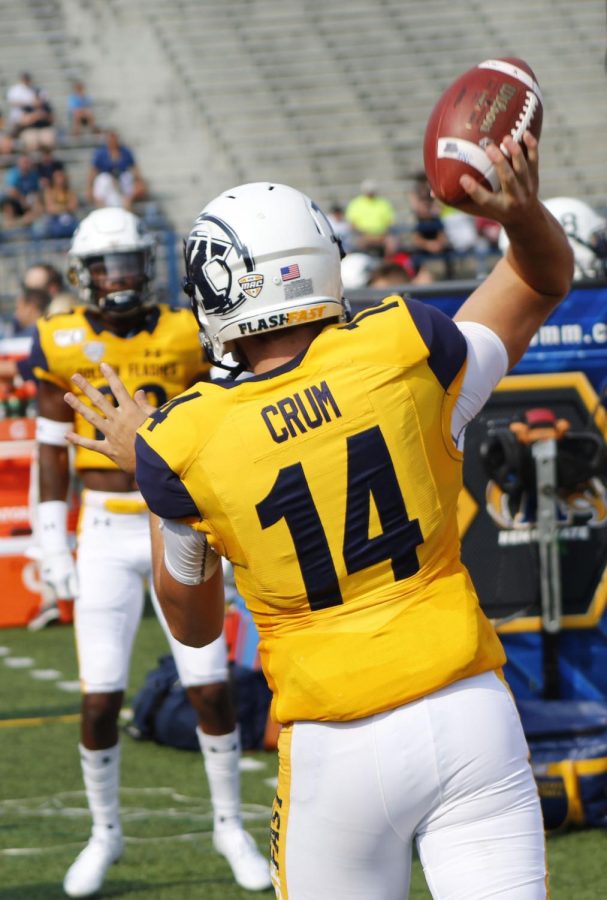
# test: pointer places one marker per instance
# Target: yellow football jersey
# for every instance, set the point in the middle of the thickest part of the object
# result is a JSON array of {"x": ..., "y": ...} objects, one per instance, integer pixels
[
  {"x": 331, "y": 484},
  {"x": 163, "y": 358}
]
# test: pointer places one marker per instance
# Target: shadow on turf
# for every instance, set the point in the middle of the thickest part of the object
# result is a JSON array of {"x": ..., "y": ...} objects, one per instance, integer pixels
[
  {"x": 45, "y": 712},
  {"x": 54, "y": 891}
]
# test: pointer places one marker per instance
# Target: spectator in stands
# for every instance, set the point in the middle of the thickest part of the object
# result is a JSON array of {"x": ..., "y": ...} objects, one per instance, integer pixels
[
  {"x": 428, "y": 238},
  {"x": 489, "y": 231},
  {"x": 107, "y": 191},
  {"x": 486, "y": 248},
  {"x": 46, "y": 166},
  {"x": 388, "y": 275},
  {"x": 460, "y": 229},
  {"x": 29, "y": 306},
  {"x": 341, "y": 226},
  {"x": 20, "y": 201},
  {"x": 80, "y": 110},
  {"x": 59, "y": 205},
  {"x": 7, "y": 144},
  {"x": 40, "y": 279},
  {"x": 31, "y": 303},
  {"x": 371, "y": 217},
  {"x": 398, "y": 270},
  {"x": 39, "y": 132},
  {"x": 47, "y": 277},
  {"x": 117, "y": 160},
  {"x": 31, "y": 115},
  {"x": 21, "y": 98}
]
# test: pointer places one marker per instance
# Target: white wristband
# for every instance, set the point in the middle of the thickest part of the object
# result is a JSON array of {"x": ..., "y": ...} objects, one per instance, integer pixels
[
  {"x": 187, "y": 555},
  {"x": 49, "y": 431},
  {"x": 52, "y": 525}
]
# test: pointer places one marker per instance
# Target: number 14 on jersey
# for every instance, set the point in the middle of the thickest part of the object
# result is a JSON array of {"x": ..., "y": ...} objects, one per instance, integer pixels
[{"x": 370, "y": 474}]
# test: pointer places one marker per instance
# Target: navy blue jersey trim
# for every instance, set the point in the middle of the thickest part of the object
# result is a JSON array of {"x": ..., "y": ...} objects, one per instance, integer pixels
[
  {"x": 25, "y": 370},
  {"x": 162, "y": 489},
  {"x": 445, "y": 342},
  {"x": 372, "y": 311},
  {"x": 265, "y": 376},
  {"x": 37, "y": 358}
]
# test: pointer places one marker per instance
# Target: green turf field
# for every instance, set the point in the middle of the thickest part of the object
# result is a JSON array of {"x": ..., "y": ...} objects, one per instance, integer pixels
[{"x": 167, "y": 817}]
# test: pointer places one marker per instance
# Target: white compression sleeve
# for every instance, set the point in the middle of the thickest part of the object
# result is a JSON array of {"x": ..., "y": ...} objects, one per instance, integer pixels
[
  {"x": 52, "y": 525},
  {"x": 487, "y": 363},
  {"x": 187, "y": 554},
  {"x": 49, "y": 431}
]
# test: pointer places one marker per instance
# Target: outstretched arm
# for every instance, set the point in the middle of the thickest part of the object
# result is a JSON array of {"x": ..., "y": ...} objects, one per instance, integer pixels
[
  {"x": 118, "y": 424},
  {"x": 536, "y": 273},
  {"x": 188, "y": 577}
]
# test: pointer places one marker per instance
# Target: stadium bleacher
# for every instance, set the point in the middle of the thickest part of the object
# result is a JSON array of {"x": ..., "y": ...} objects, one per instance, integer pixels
[{"x": 314, "y": 94}]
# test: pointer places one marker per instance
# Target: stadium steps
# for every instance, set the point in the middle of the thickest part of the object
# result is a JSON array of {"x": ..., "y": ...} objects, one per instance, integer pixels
[{"x": 319, "y": 94}]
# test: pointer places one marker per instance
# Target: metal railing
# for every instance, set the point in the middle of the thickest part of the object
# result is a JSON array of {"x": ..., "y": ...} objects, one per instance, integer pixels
[{"x": 16, "y": 256}]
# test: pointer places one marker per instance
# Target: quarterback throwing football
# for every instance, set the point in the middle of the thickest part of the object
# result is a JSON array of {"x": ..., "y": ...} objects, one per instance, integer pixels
[{"x": 330, "y": 479}]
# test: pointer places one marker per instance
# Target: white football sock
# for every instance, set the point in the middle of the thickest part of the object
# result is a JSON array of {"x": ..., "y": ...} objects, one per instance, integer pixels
[
  {"x": 101, "y": 774},
  {"x": 221, "y": 758}
]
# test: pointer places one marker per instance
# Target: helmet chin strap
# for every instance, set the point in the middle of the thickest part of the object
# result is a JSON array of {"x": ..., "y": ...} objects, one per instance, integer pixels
[{"x": 233, "y": 370}]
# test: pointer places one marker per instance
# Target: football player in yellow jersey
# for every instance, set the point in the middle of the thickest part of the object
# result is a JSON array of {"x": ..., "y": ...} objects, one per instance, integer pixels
[
  {"x": 330, "y": 479},
  {"x": 156, "y": 350}
]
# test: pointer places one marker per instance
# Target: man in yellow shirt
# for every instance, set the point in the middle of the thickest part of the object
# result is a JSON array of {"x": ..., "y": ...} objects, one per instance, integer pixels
[{"x": 371, "y": 217}]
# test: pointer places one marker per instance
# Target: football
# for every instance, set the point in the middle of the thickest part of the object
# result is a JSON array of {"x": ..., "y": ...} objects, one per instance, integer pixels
[{"x": 495, "y": 98}]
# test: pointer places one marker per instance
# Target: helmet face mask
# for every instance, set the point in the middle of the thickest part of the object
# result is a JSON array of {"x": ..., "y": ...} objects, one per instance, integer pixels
[
  {"x": 111, "y": 261},
  {"x": 586, "y": 231},
  {"x": 259, "y": 258}
]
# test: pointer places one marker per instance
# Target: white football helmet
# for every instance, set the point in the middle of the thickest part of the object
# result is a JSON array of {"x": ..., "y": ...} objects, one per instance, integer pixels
[
  {"x": 586, "y": 231},
  {"x": 260, "y": 257},
  {"x": 111, "y": 261}
]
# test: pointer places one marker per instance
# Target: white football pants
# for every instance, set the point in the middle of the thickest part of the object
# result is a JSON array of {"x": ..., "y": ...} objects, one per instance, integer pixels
[
  {"x": 449, "y": 771},
  {"x": 114, "y": 561}
]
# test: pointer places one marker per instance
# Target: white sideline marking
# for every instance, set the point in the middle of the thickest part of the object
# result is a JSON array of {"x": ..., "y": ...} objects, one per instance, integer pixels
[
  {"x": 271, "y": 782},
  {"x": 200, "y": 838},
  {"x": 196, "y": 811},
  {"x": 45, "y": 674},
  {"x": 72, "y": 687},
  {"x": 18, "y": 662},
  {"x": 25, "y": 662},
  {"x": 248, "y": 764}
]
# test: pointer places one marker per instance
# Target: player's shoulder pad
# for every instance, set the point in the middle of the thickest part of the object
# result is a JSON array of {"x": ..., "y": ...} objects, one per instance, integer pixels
[
  {"x": 383, "y": 333},
  {"x": 68, "y": 324},
  {"x": 59, "y": 313},
  {"x": 404, "y": 332},
  {"x": 176, "y": 429},
  {"x": 446, "y": 345}
]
